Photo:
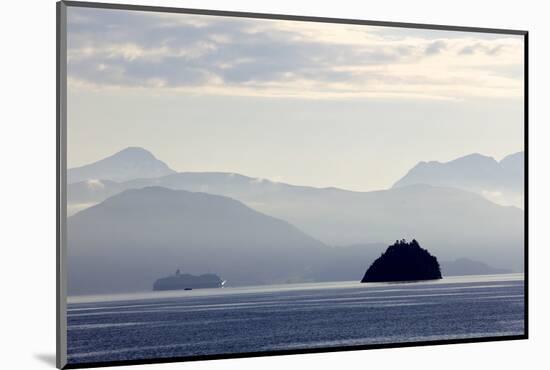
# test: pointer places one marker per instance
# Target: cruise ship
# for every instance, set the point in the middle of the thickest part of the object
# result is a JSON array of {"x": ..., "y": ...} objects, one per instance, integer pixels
[{"x": 179, "y": 281}]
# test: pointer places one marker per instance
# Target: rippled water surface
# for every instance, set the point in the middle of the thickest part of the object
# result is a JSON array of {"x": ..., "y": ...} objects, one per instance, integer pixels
[{"x": 293, "y": 316}]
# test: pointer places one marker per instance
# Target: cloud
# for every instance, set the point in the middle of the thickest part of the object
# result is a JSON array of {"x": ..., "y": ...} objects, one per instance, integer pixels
[
  {"x": 95, "y": 185},
  {"x": 435, "y": 47},
  {"x": 505, "y": 198},
  {"x": 482, "y": 48},
  {"x": 224, "y": 55},
  {"x": 74, "y": 208}
]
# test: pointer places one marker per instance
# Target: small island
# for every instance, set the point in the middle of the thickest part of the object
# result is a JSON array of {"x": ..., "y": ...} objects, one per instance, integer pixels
[
  {"x": 180, "y": 281},
  {"x": 403, "y": 261}
]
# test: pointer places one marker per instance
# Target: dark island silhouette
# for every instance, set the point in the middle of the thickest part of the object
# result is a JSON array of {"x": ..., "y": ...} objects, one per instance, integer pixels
[
  {"x": 180, "y": 281},
  {"x": 403, "y": 261}
]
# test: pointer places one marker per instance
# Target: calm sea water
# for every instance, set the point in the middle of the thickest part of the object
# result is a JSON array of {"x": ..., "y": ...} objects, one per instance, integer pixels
[{"x": 294, "y": 316}]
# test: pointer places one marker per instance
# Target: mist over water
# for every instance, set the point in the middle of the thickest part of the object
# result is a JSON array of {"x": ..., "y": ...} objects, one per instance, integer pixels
[{"x": 292, "y": 316}]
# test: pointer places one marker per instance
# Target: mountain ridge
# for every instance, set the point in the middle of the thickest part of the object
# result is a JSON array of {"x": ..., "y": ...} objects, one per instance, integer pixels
[
  {"x": 124, "y": 165},
  {"x": 127, "y": 241},
  {"x": 140, "y": 234},
  {"x": 452, "y": 222},
  {"x": 499, "y": 181}
]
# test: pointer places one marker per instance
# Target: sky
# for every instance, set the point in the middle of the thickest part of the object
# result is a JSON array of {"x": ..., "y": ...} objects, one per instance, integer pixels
[{"x": 306, "y": 103}]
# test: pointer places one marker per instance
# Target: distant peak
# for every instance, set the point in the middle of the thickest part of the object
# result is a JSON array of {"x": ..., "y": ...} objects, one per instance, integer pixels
[
  {"x": 128, "y": 164},
  {"x": 134, "y": 149},
  {"x": 134, "y": 152},
  {"x": 451, "y": 173},
  {"x": 474, "y": 157}
]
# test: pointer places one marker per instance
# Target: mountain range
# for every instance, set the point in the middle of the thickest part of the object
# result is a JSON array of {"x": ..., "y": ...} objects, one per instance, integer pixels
[
  {"x": 329, "y": 233},
  {"x": 501, "y": 182},
  {"x": 128, "y": 241}
]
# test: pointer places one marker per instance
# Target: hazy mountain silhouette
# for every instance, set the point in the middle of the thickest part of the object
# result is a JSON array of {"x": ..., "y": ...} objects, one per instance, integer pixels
[
  {"x": 129, "y": 240},
  {"x": 513, "y": 166},
  {"x": 130, "y": 163},
  {"x": 84, "y": 194},
  {"x": 466, "y": 266},
  {"x": 345, "y": 263},
  {"x": 452, "y": 223},
  {"x": 501, "y": 182}
]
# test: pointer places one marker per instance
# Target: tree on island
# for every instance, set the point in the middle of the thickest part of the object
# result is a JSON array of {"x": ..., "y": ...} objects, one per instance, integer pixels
[{"x": 403, "y": 261}]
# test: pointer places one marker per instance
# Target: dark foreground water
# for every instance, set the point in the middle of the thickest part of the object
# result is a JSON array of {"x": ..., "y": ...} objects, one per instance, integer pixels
[{"x": 233, "y": 320}]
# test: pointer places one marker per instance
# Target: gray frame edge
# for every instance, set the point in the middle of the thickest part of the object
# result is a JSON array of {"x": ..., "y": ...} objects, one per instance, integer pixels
[
  {"x": 241, "y": 14},
  {"x": 61, "y": 198},
  {"x": 526, "y": 181}
]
